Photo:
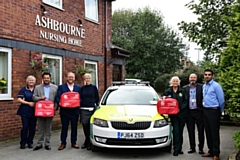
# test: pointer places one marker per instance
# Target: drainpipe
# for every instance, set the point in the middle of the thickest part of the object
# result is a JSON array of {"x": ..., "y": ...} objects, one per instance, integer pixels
[{"x": 105, "y": 49}]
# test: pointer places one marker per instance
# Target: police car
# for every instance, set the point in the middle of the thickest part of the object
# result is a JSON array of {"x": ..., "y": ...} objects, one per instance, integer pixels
[{"x": 127, "y": 118}]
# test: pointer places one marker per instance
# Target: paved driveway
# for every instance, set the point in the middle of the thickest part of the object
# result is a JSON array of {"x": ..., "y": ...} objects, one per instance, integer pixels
[{"x": 9, "y": 150}]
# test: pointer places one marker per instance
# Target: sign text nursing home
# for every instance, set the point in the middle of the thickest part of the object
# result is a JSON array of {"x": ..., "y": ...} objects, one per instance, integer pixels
[{"x": 66, "y": 29}]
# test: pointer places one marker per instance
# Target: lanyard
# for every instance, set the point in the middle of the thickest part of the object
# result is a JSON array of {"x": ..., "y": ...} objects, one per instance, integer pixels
[
  {"x": 206, "y": 90},
  {"x": 193, "y": 93}
]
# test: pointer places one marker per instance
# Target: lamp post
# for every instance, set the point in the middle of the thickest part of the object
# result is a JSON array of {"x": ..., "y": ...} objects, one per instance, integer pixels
[{"x": 198, "y": 56}]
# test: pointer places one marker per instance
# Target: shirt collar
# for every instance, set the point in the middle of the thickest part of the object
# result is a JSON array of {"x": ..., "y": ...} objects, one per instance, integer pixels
[
  {"x": 210, "y": 82},
  {"x": 70, "y": 85},
  {"x": 46, "y": 86}
]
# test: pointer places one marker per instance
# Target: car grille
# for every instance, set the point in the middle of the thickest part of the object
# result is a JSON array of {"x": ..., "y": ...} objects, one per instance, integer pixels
[
  {"x": 135, "y": 142},
  {"x": 126, "y": 126}
]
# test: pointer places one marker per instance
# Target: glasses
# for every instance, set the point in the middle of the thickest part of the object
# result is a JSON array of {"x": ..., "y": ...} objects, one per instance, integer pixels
[
  {"x": 207, "y": 74},
  {"x": 70, "y": 77}
]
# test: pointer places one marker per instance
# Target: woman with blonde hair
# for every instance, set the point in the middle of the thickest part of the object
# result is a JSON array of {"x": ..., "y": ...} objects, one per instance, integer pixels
[
  {"x": 89, "y": 102},
  {"x": 178, "y": 121},
  {"x": 26, "y": 111}
]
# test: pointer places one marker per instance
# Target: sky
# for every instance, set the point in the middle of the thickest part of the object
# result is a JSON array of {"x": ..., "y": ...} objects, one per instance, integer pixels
[{"x": 173, "y": 12}]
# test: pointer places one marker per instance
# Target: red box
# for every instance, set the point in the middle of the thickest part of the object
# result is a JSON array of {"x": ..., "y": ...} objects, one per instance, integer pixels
[
  {"x": 44, "y": 108},
  {"x": 70, "y": 100},
  {"x": 167, "y": 106}
]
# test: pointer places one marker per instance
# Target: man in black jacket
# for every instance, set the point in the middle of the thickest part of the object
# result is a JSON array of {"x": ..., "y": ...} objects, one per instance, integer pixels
[{"x": 195, "y": 113}]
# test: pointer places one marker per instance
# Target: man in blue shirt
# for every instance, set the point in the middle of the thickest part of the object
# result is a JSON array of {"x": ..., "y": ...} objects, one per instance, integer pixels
[
  {"x": 44, "y": 91},
  {"x": 213, "y": 104}
]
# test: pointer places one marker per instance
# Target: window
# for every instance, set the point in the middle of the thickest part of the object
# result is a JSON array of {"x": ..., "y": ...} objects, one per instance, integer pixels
[
  {"x": 91, "y": 10},
  {"x": 5, "y": 73},
  {"x": 92, "y": 66},
  {"x": 117, "y": 73},
  {"x": 55, "y": 68},
  {"x": 54, "y": 3}
]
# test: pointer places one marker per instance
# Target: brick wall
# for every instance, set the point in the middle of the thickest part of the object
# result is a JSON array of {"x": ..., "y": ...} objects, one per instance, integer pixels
[{"x": 18, "y": 23}]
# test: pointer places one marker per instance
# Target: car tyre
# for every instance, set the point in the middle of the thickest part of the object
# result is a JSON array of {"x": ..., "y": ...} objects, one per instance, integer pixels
[
  {"x": 94, "y": 148},
  {"x": 168, "y": 148}
]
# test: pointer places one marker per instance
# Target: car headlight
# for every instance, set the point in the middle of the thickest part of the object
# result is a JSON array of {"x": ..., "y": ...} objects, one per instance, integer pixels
[
  {"x": 100, "y": 122},
  {"x": 160, "y": 123}
]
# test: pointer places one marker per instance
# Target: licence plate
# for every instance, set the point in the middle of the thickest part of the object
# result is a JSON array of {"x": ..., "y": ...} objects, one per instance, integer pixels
[{"x": 128, "y": 135}]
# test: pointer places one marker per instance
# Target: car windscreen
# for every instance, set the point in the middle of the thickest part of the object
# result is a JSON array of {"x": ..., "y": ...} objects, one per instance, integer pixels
[{"x": 130, "y": 97}]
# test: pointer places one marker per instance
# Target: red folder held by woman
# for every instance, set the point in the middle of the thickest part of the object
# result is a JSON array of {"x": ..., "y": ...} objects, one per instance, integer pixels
[{"x": 167, "y": 106}]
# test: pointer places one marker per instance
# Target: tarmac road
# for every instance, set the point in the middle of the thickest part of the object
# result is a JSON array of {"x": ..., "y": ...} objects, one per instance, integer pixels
[{"x": 9, "y": 150}]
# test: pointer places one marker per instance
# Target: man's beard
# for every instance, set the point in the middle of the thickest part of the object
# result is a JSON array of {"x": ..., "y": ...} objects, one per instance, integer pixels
[{"x": 192, "y": 82}]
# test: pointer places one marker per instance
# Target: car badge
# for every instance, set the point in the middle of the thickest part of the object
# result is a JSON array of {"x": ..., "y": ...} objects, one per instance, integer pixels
[{"x": 130, "y": 119}]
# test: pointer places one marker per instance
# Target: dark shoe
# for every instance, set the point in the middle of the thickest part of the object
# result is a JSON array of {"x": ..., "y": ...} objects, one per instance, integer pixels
[
  {"x": 216, "y": 158},
  {"x": 75, "y": 146},
  {"x": 201, "y": 152},
  {"x": 48, "y": 147},
  {"x": 61, "y": 147},
  {"x": 89, "y": 147},
  {"x": 22, "y": 147},
  {"x": 37, "y": 148},
  {"x": 83, "y": 146},
  {"x": 175, "y": 153},
  {"x": 191, "y": 151},
  {"x": 207, "y": 155},
  {"x": 30, "y": 146},
  {"x": 180, "y": 152}
]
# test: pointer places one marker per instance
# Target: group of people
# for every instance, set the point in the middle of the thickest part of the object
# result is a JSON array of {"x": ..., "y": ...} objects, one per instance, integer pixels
[
  {"x": 198, "y": 104},
  {"x": 30, "y": 94},
  {"x": 201, "y": 105}
]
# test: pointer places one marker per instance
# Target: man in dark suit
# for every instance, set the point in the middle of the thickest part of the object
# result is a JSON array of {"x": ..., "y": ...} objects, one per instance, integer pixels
[
  {"x": 195, "y": 113},
  {"x": 68, "y": 114},
  {"x": 45, "y": 91}
]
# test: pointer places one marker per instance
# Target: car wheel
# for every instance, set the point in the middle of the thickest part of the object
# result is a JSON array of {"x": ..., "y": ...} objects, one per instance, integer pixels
[
  {"x": 94, "y": 148},
  {"x": 168, "y": 148}
]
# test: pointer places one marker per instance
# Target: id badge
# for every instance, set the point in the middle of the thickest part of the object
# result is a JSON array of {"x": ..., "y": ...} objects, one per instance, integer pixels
[{"x": 193, "y": 100}]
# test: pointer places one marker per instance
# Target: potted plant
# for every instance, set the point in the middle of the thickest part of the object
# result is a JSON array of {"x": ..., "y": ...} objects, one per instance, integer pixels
[
  {"x": 3, "y": 85},
  {"x": 40, "y": 65},
  {"x": 81, "y": 70}
]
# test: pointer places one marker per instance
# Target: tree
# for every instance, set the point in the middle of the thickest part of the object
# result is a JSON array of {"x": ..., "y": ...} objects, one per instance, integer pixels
[
  {"x": 210, "y": 31},
  {"x": 230, "y": 63},
  {"x": 155, "y": 48}
]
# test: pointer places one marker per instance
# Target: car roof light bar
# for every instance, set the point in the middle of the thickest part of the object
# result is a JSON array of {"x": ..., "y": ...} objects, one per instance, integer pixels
[{"x": 118, "y": 83}]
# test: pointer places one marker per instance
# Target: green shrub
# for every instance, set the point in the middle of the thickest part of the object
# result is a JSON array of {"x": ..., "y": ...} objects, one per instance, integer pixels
[
  {"x": 236, "y": 138},
  {"x": 162, "y": 83}
]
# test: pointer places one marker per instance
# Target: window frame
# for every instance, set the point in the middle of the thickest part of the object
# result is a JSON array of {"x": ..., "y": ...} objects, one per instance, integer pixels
[
  {"x": 91, "y": 18},
  {"x": 60, "y": 64},
  {"x": 96, "y": 71},
  {"x": 8, "y": 95},
  {"x": 48, "y": 2}
]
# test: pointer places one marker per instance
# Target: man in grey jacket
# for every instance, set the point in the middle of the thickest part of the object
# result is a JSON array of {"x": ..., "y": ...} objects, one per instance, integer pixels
[{"x": 45, "y": 91}]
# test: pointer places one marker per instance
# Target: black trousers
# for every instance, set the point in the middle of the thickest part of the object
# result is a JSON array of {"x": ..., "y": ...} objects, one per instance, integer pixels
[
  {"x": 178, "y": 124},
  {"x": 65, "y": 123},
  {"x": 212, "y": 127},
  {"x": 28, "y": 130},
  {"x": 195, "y": 117}
]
